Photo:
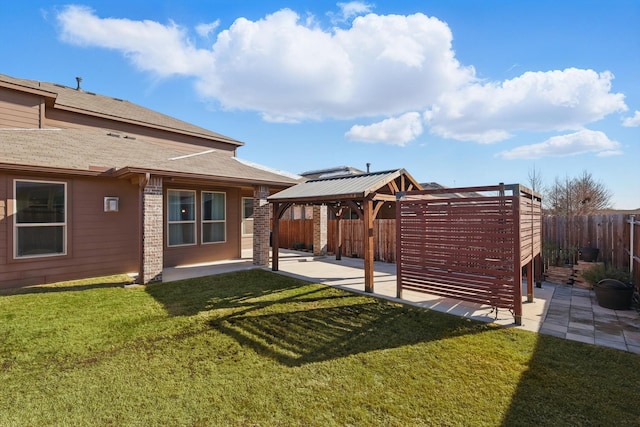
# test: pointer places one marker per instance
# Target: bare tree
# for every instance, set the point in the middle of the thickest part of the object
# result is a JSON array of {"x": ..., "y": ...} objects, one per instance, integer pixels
[
  {"x": 581, "y": 195},
  {"x": 535, "y": 180}
]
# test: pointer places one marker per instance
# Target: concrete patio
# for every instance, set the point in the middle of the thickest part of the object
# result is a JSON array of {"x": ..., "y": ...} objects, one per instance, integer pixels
[{"x": 562, "y": 311}]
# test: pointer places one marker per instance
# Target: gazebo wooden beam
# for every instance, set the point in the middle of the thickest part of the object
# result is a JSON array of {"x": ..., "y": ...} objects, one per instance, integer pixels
[{"x": 354, "y": 207}]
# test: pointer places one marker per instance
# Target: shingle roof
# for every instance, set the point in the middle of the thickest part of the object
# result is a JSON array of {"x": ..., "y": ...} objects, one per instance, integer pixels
[
  {"x": 342, "y": 187},
  {"x": 95, "y": 151},
  {"x": 67, "y": 98}
]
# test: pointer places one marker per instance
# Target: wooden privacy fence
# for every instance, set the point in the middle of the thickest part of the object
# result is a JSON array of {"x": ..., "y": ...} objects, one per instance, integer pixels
[
  {"x": 564, "y": 236},
  {"x": 298, "y": 234},
  {"x": 470, "y": 248}
]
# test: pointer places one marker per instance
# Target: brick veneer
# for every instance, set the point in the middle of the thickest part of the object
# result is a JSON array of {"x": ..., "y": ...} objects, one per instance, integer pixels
[
  {"x": 319, "y": 230},
  {"x": 152, "y": 230},
  {"x": 261, "y": 225}
]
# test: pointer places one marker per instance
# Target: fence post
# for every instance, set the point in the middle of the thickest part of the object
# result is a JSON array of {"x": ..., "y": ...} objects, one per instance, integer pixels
[{"x": 632, "y": 221}]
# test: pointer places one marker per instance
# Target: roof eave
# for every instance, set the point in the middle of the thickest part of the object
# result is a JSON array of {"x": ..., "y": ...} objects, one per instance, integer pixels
[
  {"x": 49, "y": 169},
  {"x": 128, "y": 172},
  {"x": 31, "y": 90}
]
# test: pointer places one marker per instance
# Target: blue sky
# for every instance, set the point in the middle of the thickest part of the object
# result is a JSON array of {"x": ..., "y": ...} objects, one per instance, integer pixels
[{"x": 458, "y": 92}]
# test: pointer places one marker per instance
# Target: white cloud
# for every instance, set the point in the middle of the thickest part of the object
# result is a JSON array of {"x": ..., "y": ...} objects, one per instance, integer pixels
[
  {"x": 396, "y": 131},
  {"x": 284, "y": 69},
  {"x": 581, "y": 142},
  {"x": 290, "y": 70},
  {"x": 162, "y": 49},
  {"x": 349, "y": 10},
  {"x": 204, "y": 30},
  {"x": 633, "y": 121},
  {"x": 534, "y": 101}
]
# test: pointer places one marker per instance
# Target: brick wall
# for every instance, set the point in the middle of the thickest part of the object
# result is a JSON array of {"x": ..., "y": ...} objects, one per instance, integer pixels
[
  {"x": 261, "y": 225},
  {"x": 319, "y": 230},
  {"x": 152, "y": 231}
]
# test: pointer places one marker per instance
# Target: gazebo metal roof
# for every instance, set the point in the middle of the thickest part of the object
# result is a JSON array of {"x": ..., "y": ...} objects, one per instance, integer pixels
[{"x": 375, "y": 185}]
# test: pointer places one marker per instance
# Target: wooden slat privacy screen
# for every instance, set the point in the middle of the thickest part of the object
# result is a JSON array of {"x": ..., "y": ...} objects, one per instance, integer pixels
[{"x": 468, "y": 246}]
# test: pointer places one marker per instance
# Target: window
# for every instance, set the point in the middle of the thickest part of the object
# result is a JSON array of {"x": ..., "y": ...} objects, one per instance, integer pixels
[
  {"x": 181, "y": 217},
  {"x": 247, "y": 216},
  {"x": 40, "y": 218},
  {"x": 213, "y": 217}
]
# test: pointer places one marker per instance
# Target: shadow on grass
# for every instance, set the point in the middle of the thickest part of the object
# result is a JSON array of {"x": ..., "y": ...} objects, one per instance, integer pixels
[
  {"x": 295, "y": 322},
  {"x": 65, "y": 287},
  {"x": 300, "y": 337},
  {"x": 191, "y": 296},
  {"x": 571, "y": 383}
]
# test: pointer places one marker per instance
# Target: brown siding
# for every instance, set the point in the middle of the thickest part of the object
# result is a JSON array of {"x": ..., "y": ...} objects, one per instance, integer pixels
[
  {"x": 68, "y": 119},
  {"x": 98, "y": 243},
  {"x": 4, "y": 218},
  {"x": 19, "y": 110},
  {"x": 199, "y": 253}
]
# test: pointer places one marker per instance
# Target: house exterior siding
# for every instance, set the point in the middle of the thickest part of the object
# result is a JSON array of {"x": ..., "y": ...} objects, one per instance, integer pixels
[
  {"x": 69, "y": 119},
  {"x": 19, "y": 110},
  {"x": 98, "y": 243}
]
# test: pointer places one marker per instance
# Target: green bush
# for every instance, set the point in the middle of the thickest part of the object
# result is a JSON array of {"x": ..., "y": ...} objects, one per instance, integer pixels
[{"x": 600, "y": 272}]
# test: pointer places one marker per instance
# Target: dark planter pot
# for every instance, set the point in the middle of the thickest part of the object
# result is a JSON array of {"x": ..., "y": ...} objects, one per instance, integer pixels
[
  {"x": 589, "y": 254},
  {"x": 614, "y": 294}
]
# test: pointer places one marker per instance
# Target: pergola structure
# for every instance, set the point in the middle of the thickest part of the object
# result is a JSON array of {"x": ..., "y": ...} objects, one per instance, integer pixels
[{"x": 364, "y": 194}]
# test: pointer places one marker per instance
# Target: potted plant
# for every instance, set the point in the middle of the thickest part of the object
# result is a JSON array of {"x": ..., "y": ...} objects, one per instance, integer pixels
[
  {"x": 589, "y": 254},
  {"x": 612, "y": 286}
]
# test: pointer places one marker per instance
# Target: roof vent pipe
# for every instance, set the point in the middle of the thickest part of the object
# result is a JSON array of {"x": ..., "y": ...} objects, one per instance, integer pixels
[
  {"x": 368, "y": 166},
  {"x": 78, "y": 80}
]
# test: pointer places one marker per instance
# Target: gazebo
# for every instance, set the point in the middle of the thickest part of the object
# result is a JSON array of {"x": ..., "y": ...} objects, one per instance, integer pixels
[{"x": 364, "y": 194}]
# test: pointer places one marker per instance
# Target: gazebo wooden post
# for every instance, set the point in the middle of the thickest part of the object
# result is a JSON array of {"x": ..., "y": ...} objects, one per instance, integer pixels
[
  {"x": 275, "y": 237},
  {"x": 517, "y": 260},
  {"x": 338, "y": 242},
  {"x": 368, "y": 244},
  {"x": 538, "y": 270},
  {"x": 337, "y": 211},
  {"x": 399, "y": 196},
  {"x": 530, "y": 281}
]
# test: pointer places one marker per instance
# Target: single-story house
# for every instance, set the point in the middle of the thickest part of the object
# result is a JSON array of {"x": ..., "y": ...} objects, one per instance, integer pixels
[{"x": 92, "y": 185}]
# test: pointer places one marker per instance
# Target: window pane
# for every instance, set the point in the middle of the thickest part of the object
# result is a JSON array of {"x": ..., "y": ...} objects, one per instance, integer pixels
[
  {"x": 247, "y": 226},
  {"x": 39, "y": 202},
  {"x": 213, "y": 206},
  {"x": 247, "y": 208},
  {"x": 181, "y": 205},
  {"x": 45, "y": 240},
  {"x": 213, "y": 232},
  {"x": 182, "y": 234}
]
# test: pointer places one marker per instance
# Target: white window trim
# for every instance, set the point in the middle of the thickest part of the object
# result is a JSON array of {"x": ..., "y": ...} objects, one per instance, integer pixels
[
  {"x": 243, "y": 219},
  {"x": 39, "y": 224},
  {"x": 194, "y": 221},
  {"x": 203, "y": 221}
]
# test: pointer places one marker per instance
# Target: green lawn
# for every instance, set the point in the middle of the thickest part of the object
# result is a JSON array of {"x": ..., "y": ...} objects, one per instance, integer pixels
[{"x": 255, "y": 348}]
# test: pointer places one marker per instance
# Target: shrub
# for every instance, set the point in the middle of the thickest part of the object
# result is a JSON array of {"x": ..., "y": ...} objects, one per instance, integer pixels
[{"x": 600, "y": 272}]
